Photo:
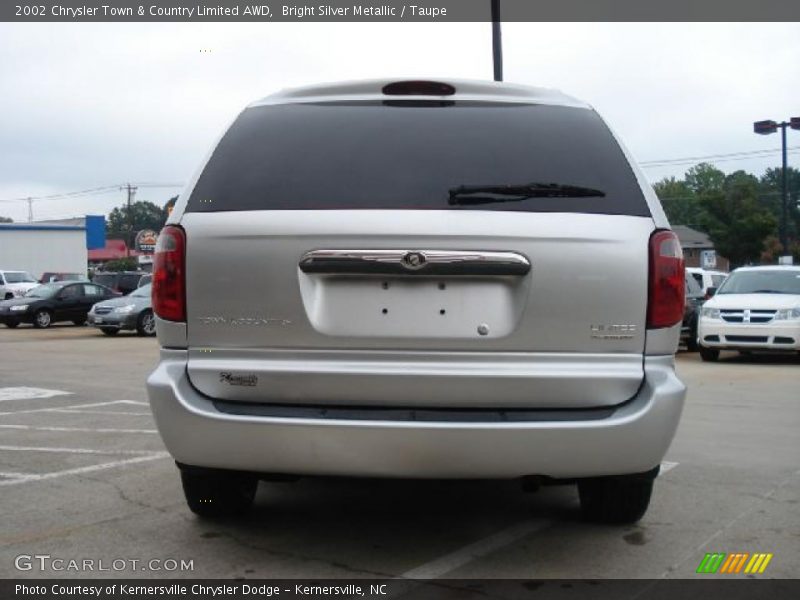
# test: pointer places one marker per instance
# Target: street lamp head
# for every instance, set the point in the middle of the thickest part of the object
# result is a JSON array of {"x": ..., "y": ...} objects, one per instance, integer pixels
[
  {"x": 765, "y": 127},
  {"x": 794, "y": 122}
]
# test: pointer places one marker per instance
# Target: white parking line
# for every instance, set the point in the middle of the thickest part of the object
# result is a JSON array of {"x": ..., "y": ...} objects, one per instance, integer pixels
[
  {"x": 76, "y": 450},
  {"x": 667, "y": 466},
  {"x": 76, "y": 429},
  {"x": 102, "y": 412},
  {"x": 81, "y": 470},
  {"x": 28, "y": 393},
  {"x": 459, "y": 558},
  {"x": 73, "y": 406}
]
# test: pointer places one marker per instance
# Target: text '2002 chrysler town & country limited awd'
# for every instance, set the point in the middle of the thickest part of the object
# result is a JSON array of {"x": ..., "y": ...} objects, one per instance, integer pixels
[{"x": 418, "y": 279}]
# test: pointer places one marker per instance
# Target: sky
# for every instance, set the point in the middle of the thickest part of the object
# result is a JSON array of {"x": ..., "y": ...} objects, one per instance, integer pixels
[{"x": 98, "y": 105}]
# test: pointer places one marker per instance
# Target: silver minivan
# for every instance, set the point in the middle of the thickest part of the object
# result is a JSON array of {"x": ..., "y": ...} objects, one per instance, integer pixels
[{"x": 419, "y": 279}]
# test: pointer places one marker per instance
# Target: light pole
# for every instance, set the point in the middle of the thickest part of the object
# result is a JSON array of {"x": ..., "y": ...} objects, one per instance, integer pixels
[
  {"x": 765, "y": 128},
  {"x": 497, "y": 42}
]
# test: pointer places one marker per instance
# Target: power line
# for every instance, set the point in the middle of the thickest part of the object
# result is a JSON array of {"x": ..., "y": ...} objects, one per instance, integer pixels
[
  {"x": 91, "y": 192},
  {"x": 721, "y": 157}
]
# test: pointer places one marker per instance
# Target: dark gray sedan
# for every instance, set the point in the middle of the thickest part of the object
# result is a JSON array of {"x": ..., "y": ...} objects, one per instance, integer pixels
[{"x": 131, "y": 312}]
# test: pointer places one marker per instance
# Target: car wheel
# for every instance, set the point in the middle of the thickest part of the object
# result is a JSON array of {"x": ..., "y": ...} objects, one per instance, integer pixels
[
  {"x": 79, "y": 322},
  {"x": 217, "y": 493},
  {"x": 8, "y": 296},
  {"x": 42, "y": 318},
  {"x": 109, "y": 331},
  {"x": 146, "y": 324},
  {"x": 12, "y": 324},
  {"x": 709, "y": 354},
  {"x": 691, "y": 343},
  {"x": 617, "y": 499}
]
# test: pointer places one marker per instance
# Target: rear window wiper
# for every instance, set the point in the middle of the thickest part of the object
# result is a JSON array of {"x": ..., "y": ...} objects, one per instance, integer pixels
[{"x": 485, "y": 194}]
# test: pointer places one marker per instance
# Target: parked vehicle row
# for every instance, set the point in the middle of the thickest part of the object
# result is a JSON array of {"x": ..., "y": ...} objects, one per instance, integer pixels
[{"x": 78, "y": 302}]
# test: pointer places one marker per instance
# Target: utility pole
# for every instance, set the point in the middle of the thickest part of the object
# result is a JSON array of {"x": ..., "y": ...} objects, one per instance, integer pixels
[
  {"x": 765, "y": 128},
  {"x": 29, "y": 200},
  {"x": 497, "y": 42},
  {"x": 131, "y": 193}
]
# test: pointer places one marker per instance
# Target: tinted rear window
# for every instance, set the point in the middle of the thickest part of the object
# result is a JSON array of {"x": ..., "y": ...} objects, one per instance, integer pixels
[{"x": 373, "y": 156}]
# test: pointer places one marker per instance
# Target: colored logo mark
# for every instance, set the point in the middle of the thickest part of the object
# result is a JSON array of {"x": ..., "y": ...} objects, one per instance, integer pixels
[{"x": 736, "y": 562}]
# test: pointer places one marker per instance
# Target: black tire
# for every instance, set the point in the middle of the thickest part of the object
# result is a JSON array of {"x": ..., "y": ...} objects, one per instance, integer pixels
[
  {"x": 79, "y": 322},
  {"x": 109, "y": 330},
  {"x": 12, "y": 324},
  {"x": 691, "y": 343},
  {"x": 146, "y": 323},
  {"x": 42, "y": 318},
  {"x": 709, "y": 354},
  {"x": 218, "y": 493},
  {"x": 8, "y": 296},
  {"x": 618, "y": 499}
]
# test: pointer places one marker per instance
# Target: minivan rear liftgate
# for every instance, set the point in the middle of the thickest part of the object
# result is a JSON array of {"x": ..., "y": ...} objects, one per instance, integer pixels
[{"x": 453, "y": 315}]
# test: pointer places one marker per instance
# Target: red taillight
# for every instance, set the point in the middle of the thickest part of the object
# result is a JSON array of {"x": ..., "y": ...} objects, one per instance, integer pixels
[
  {"x": 169, "y": 274},
  {"x": 667, "y": 290}
]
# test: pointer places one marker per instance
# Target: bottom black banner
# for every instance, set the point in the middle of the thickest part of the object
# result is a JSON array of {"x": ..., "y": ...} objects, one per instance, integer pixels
[{"x": 378, "y": 589}]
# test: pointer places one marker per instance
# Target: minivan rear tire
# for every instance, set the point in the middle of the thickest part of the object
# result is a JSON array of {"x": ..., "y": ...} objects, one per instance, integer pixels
[
  {"x": 615, "y": 500},
  {"x": 214, "y": 493}
]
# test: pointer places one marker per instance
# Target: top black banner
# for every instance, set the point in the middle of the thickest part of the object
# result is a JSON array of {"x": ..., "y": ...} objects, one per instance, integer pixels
[{"x": 119, "y": 11}]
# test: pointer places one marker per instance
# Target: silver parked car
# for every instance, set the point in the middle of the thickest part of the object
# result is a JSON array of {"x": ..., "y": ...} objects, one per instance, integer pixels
[{"x": 418, "y": 279}]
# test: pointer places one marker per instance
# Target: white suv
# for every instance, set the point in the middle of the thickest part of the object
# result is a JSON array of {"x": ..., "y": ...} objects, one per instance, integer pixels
[
  {"x": 14, "y": 284},
  {"x": 756, "y": 308},
  {"x": 418, "y": 279}
]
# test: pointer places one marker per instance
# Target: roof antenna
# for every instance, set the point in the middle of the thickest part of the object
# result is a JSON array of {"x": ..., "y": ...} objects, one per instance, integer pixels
[{"x": 497, "y": 42}]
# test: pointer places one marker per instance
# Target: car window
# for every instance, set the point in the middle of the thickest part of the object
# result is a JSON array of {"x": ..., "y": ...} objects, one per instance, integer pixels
[
  {"x": 716, "y": 280},
  {"x": 698, "y": 277},
  {"x": 93, "y": 290},
  {"x": 410, "y": 155},
  {"x": 692, "y": 287},
  {"x": 47, "y": 290},
  {"x": 71, "y": 291},
  {"x": 106, "y": 279},
  {"x": 142, "y": 292},
  {"x": 762, "y": 282},
  {"x": 19, "y": 277},
  {"x": 128, "y": 281}
]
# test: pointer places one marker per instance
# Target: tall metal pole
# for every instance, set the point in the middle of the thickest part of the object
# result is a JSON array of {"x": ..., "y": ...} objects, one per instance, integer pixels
[
  {"x": 497, "y": 42},
  {"x": 785, "y": 198}
]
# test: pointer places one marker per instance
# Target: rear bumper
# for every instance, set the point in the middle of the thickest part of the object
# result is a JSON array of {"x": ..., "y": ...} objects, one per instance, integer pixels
[
  {"x": 782, "y": 335},
  {"x": 633, "y": 439}
]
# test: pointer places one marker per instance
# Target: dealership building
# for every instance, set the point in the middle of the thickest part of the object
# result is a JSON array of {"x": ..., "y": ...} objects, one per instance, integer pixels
[{"x": 51, "y": 246}]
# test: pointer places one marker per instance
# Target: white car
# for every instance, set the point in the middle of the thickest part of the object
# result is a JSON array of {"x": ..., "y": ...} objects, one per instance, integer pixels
[
  {"x": 756, "y": 308},
  {"x": 14, "y": 284},
  {"x": 705, "y": 278}
]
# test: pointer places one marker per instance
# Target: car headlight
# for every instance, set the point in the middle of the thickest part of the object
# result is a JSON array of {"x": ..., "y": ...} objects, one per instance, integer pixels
[
  {"x": 124, "y": 310},
  {"x": 787, "y": 313},
  {"x": 19, "y": 307},
  {"x": 710, "y": 313}
]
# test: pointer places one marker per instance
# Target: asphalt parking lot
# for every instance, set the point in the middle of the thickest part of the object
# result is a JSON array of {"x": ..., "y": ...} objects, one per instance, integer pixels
[{"x": 83, "y": 475}]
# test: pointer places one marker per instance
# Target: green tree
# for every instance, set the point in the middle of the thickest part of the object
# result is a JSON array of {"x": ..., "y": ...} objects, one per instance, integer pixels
[
  {"x": 122, "y": 264},
  {"x": 705, "y": 178},
  {"x": 6, "y": 220},
  {"x": 679, "y": 202},
  {"x": 733, "y": 217},
  {"x": 145, "y": 215},
  {"x": 771, "y": 196}
]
